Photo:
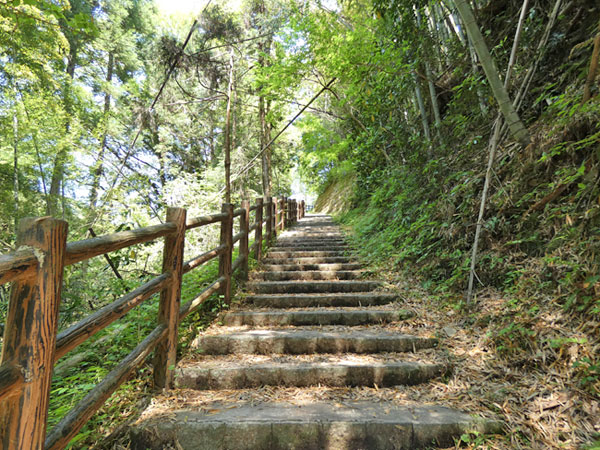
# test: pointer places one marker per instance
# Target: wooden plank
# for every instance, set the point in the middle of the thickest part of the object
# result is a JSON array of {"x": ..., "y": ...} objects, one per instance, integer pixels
[
  {"x": 30, "y": 335},
  {"x": 258, "y": 233},
  {"x": 88, "y": 248},
  {"x": 11, "y": 379},
  {"x": 205, "y": 220},
  {"x": 191, "y": 306},
  {"x": 165, "y": 355},
  {"x": 70, "y": 338},
  {"x": 74, "y": 420},
  {"x": 201, "y": 259},
  {"x": 225, "y": 257}
]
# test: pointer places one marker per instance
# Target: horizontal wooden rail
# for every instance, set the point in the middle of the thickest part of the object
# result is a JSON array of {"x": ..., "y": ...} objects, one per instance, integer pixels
[
  {"x": 205, "y": 220},
  {"x": 44, "y": 240},
  {"x": 74, "y": 420},
  {"x": 201, "y": 259},
  {"x": 10, "y": 379},
  {"x": 78, "y": 333},
  {"x": 238, "y": 236},
  {"x": 19, "y": 264},
  {"x": 88, "y": 248},
  {"x": 238, "y": 263},
  {"x": 192, "y": 305}
]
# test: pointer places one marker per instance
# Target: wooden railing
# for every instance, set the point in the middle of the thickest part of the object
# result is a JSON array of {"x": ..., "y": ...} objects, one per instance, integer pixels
[{"x": 32, "y": 344}]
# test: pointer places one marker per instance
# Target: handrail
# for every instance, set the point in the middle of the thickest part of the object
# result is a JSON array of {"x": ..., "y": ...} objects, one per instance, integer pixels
[
  {"x": 204, "y": 257},
  {"x": 78, "y": 333},
  {"x": 88, "y": 248},
  {"x": 205, "y": 220},
  {"x": 43, "y": 253},
  {"x": 10, "y": 379}
]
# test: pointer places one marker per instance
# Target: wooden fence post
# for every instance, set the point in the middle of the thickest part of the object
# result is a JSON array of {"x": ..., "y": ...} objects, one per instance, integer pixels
[
  {"x": 275, "y": 214},
  {"x": 269, "y": 217},
  {"x": 30, "y": 335},
  {"x": 225, "y": 257},
  {"x": 302, "y": 209},
  {"x": 244, "y": 228},
  {"x": 258, "y": 234},
  {"x": 165, "y": 355},
  {"x": 283, "y": 213}
]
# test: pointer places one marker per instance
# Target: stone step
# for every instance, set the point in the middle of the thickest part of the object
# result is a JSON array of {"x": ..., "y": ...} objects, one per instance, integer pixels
[
  {"x": 297, "y": 267},
  {"x": 301, "y": 241},
  {"x": 360, "y": 425},
  {"x": 244, "y": 376},
  {"x": 306, "y": 254},
  {"x": 266, "y": 342},
  {"x": 311, "y": 317},
  {"x": 309, "y": 248},
  {"x": 301, "y": 287},
  {"x": 321, "y": 300},
  {"x": 307, "y": 275},
  {"x": 309, "y": 260}
]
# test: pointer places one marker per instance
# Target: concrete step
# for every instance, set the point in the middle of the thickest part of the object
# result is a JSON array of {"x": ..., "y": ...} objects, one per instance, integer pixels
[
  {"x": 303, "y": 241},
  {"x": 305, "y": 275},
  {"x": 321, "y": 300},
  {"x": 310, "y": 248},
  {"x": 308, "y": 260},
  {"x": 300, "y": 287},
  {"x": 312, "y": 317},
  {"x": 244, "y": 376},
  {"x": 266, "y": 342},
  {"x": 297, "y": 267},
  {"x": 306, "y": 254},
  {"x": 326, "y": 426}
]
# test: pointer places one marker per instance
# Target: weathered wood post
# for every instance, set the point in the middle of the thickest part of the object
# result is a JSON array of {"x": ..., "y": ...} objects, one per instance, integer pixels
[
  {"x": 302, "y": 209},
  {"x": 225, "y": 257},
  {"x": 284, "y": 212},
  {"x": 258, "y": 234},
  {"x": 269, "y": 218},
  {"x": 165, "y": 355},
  {"x": 275, "y": 216},
  {"x": 244, "y": 228},
  {"x": 30, "y": 334}
]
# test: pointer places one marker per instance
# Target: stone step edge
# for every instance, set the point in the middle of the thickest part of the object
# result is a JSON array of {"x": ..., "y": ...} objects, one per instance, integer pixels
[
  {"x": 312, "y": 317},
  {"x": 307, "y": 374},
  {"x": 326, "y": 426}
]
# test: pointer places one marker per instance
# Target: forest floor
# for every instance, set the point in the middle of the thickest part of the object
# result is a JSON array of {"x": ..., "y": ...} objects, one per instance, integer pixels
[{"x": 537, "y": 395}]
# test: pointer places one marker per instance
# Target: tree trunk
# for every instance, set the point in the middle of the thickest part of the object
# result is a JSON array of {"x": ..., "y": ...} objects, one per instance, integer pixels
[
  {"x": 516, "y": 126},
  {"x": 16, "y": 165},
  {"x": 61, "y": 156},
  {"x": 227, "y": 143},
  {"x": 492, "y": 155},
  {"x": 587, "y": 93},
  {"x": 422, "y": 110},
  {"x": 98, "y": 169}
]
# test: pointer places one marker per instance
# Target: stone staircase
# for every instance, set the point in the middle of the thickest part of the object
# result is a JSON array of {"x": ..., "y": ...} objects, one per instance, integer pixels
[{"x": 311, "y": 319}]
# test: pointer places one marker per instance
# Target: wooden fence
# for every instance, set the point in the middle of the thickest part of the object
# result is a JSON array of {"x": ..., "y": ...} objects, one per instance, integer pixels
[{"x": 32, "y": 344}]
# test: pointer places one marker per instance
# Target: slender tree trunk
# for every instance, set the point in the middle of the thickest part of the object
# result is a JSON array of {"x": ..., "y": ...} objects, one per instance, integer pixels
[
  {"x": 16, "y": 165},
  {"x": 422, "y": 111},
  {"x": 492, "y": 156},
  {"x": 98, "y": 169},
  {"x": 61, "y": 156},
  {"x": 513, "y": 120},
  {"x": 432, "y": 93},
  {"x": 227, "y": 143},
  {"x": 587, "y": 93}
]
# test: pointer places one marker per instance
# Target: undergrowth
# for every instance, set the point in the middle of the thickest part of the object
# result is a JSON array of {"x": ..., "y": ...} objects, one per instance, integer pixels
[{"x": 539, "y": 246}]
